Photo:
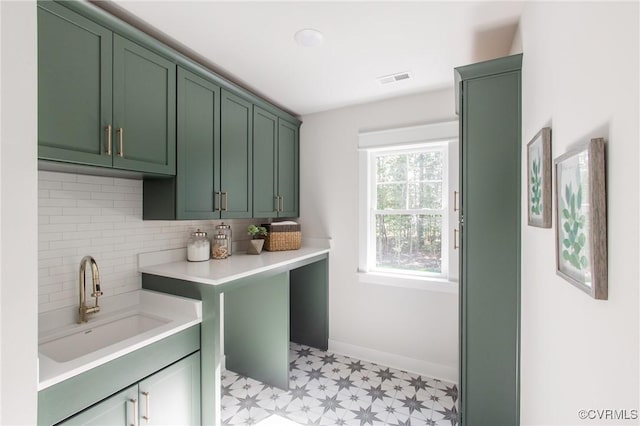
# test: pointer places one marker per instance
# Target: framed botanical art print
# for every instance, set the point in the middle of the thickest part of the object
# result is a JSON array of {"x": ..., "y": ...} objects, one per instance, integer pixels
[
  {"x": 539, "y": 179},
  {"x": 581, "y": 218}
]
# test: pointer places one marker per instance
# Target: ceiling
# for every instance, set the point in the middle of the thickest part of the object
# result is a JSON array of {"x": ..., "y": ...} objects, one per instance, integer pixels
[{"x": 252, "y": 44}]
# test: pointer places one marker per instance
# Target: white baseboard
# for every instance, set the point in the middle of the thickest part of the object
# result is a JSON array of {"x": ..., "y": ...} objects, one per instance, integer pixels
[{"x": 411, "y": 365}]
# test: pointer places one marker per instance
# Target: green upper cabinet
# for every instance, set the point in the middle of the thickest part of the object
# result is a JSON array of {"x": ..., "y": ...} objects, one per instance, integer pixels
[
  {"x": 144, "y": 101},
  {"x": 236, "y": 144},
  {"x": 198, "y": 147},
  {"x": 288, "y": 168},
  {"x": 265, "y": 160},
  {"x": 275, "y": 166},
  {"x": 74, "y": 87},
  {"x": 102, "y": 99}
]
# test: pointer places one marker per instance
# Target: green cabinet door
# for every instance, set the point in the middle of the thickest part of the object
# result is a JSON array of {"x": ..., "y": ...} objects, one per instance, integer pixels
[
  {"x": 74, "y": 87},
  {"x": 172, "y": 396},
  {"x": 198, "y": 147},
  {"x": 288, "y": 164},
  {"x": 144, "y": 105},
  {"x": 119, "y": 409},
  {"x": 275, "y": 166},
  {"x": 490, "y": 105},
  {"x": 265, "y": 161},
  {"x": 235, "y": 180}
]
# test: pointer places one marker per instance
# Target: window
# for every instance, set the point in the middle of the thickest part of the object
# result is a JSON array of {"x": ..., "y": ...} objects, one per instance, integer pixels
[
  {"x": 408, "y": 179},
  {"x": 407, "y": 209}
]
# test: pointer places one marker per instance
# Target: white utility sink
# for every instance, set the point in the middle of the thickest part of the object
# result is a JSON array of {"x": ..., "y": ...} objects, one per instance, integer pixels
[
  {"x": 126, "y": 322},
  {"x": 72, "y": 346}
]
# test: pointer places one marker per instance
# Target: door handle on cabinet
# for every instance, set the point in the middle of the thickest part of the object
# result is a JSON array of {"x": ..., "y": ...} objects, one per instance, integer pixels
[
  {"x": 135, "y": 411},
  {"x": 226, "y": 201},
  {"x": 120, "y": 132},
  {"x": 108, "y": 129},
  {"x": 281, "y": 206},
  {"x": 455, "y": 239},
  {"x": 219, "y": 195},
  {"x": 455, "y": 201},
  {"x": 147, "y": 397}
]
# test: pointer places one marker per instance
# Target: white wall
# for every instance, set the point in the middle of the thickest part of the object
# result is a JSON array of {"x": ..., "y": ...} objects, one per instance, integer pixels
[
  {"x": 18, "y": 206},
  {"x": 406, "y": 328},
  {"x": 83, "y": 215},
  {"x": 580, "y": 75}
]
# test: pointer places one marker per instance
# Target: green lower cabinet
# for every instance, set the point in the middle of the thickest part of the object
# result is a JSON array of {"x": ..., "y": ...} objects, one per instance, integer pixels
[
  {"x": 275, "y": 166},
  {"x": 172, "y": 396},
  {"x": 168, "y": 397},
  {"x": 167, "y": 370},
  {"x": 119, "y": 409}
]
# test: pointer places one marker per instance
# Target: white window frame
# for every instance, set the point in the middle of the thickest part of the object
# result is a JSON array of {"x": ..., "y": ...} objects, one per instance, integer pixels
[{"x": 403, "y": 140}]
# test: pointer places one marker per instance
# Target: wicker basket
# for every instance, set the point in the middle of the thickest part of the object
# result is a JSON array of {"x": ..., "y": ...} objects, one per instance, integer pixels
[{"x": 282, "y": 237}]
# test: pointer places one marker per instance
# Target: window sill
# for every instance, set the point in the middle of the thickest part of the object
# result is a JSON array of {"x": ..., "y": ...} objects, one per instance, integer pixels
[{"x": 439, "y": 285}]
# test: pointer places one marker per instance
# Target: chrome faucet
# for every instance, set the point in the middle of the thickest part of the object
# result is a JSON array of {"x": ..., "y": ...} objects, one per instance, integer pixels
[{"x": 84, "y": 310}]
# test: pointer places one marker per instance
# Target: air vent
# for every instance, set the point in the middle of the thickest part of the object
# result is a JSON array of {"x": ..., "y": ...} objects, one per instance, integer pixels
[{"x": 394, "y": 78}]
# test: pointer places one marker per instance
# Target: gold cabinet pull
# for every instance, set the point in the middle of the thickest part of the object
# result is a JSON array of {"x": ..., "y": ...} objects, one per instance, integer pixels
[
  {"x": 281, "y": 206},
  {"x": 120, "y": 132},
  {"x": 147, "y": 415},
  {"x": 108, "y": 129},
  {"x": 218, "y": 206},
  {"x": 455, "y": 201},
  {"x": 135, "y": 412},
  {"x": 226, "y": 201},
  {"x": 455, "y": 240},
  {"x": 277, "y": 200}
]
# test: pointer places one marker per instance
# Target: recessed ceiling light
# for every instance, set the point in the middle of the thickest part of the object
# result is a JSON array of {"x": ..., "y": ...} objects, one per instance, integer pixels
[{"x": 308, "y": 37}]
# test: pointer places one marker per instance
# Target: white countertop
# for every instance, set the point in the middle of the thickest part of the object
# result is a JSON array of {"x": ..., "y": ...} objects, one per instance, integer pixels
[
  {"x": 76, "y": 351},
  {"x": 172, "y": 263}
]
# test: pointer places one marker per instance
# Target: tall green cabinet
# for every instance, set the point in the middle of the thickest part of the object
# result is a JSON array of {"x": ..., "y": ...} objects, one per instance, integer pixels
[{"x": 489, "y": 105}]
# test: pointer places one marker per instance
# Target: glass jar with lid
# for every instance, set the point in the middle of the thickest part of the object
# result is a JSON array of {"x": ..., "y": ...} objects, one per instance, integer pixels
[
  {"x": 198, "y": 247},
  {"x": 226, "y": 230},
  {"x": 220, "y": 246}
]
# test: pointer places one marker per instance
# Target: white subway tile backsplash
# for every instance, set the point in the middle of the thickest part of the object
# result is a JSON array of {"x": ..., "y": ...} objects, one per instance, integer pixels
[
  {"x": 69, "y": 219},
  {"x": 98, "y": 180},
  {"x": 49, "y": 211},
  {"x": 100, "y": 216},
  {"x": 73, "y": 195},
  {"x": 49, "y": 184},
  {"x": 57, "y": 177},
  {"x": 73, "y": 186},
  {"x": 107, "y": 196},
  {"x": 56, "y": 202},
  {"x": 95, "y": 203}
]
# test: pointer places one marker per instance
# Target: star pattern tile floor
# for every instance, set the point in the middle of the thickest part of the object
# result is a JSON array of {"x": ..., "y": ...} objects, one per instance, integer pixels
[{"x": 329, "y": 389}]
